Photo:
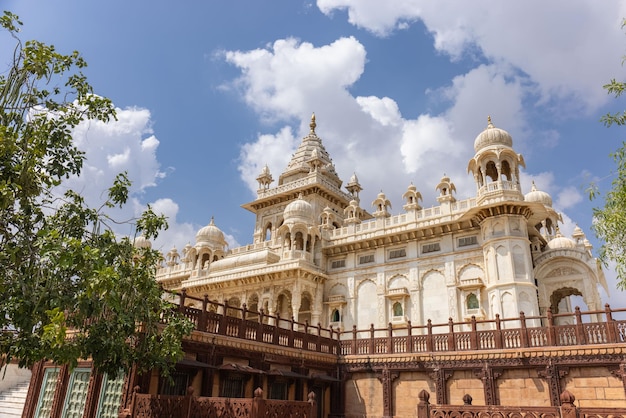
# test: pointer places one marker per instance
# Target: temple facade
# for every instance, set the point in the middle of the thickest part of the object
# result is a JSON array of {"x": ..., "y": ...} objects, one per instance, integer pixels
[{"x": 322, "y": 256}]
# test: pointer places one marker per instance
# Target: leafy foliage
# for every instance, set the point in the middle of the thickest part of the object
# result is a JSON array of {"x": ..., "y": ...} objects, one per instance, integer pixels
[
  {"x": 71, "y": 289},
  {"x": 610, "y": 220}
]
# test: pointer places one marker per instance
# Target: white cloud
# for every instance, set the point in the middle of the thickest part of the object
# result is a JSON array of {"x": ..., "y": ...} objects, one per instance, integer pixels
[
  {"x": 273, "y": 150},
  {"x": 568, "y": 48},
  {"x": 384, "y": 111},
  {"x": 568, "y": 197},
  {"x": 281, "y": 81}
]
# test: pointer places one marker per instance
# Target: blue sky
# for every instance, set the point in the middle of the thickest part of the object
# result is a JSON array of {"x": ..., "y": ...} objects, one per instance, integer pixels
[{"x": 210, "y": 91}]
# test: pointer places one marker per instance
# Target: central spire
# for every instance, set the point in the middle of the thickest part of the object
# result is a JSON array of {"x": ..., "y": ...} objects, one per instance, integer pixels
[{"x": 313, "y": 125}]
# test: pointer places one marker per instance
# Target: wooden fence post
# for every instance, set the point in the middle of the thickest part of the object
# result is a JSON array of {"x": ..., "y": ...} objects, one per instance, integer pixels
[
  {"x": 429, "y": 337},
  {"x": 611, "y": 335},
  {"x": 581, "y": 338},
  {"x": 390, "y": 339},
  {"x": 451, "y": 340},
  {"x": 523, "y": 331},
  {"x": 498, "y": 333},
  {"x": 474, "y": 334},
  {"x": 423, "y": 406},
  {"x": 551, "y": 333},
  {"x": 202, "y": 321}
]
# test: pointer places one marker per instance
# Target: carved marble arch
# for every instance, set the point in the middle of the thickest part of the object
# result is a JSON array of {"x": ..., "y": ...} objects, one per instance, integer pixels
[
  {"x": 470, "y": 274},
  {"x": 491, "y": 171},
  {"x": 505, "y": 171},
  {"x": 559, "y": 299},
  {"x": 398, "y": 282},
  {"x": 267, "y": 232},
  {"x": 283, "y": 307},
  {"x": 234, "y": 303},
  {"x": 205, "y": 256},
  {"x": 306, "y": 305},
  {"x": 565, "y": 283},
  {"x": 191, "y": 256},
  {"x": 252, "y": 305}
]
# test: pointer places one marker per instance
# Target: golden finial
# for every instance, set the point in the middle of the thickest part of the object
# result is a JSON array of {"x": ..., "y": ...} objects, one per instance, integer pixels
[
  {"x": 489, "y": 124},
  {"x": 313, "y": 124}
]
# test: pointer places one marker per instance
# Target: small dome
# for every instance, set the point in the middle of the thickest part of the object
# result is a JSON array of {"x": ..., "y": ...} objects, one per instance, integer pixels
[
  {"x": 211, "y": 235},
  {"x": 354, "y": 179},
  {"x": 142, "y": 242},
  {"x": 538, "y": 196},
  {"x": 299, "y": 211},
  {"x": 492, "y": 136},
  {"x": 561, "y": 242}
]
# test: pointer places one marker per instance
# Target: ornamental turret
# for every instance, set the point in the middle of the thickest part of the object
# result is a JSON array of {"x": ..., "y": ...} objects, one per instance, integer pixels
[{"x": 495, "y": 166}]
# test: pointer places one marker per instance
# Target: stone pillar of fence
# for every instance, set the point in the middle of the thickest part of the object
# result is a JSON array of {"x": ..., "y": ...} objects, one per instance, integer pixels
[
  {"x": 423, "y": 406},
  {"x": 568, "y": 409},
  {"x": 313, "y": 404},
  {"x": 258, "y": 404}
]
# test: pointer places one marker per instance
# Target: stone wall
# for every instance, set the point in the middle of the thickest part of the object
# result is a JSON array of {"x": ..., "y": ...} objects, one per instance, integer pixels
[{"x": 595, "y": 387}]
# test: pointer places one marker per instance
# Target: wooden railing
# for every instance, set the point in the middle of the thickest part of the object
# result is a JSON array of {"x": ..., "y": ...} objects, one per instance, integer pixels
[
  {"x": 551, "y": 330},
  {"x": 496, "y": 334},
  {"x": 189, "y": 406},
  {"x": 230, "y": 321},
  {"x": 567, "y": 409}
]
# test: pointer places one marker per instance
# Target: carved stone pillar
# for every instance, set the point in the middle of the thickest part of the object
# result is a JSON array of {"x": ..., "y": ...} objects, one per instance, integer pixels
[
  {"x": 441, "y": 376},
  {"x": 620, "y": 373},
  {"x": 488, "y": 376},
  {"x": 387, "y": 378},
  {"x": 553, "y": 374}
]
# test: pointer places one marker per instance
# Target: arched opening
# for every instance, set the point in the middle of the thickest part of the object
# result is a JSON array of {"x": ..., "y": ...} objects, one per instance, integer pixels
[
  {"x": 335, "y": 316},
  {"x": 287, "y": 242},
  {"x": 299, "y": 241},
  {"x": 491, "y": 171},
  {"x": 268, "y": 231},
  {"x": 506, "y": 171},
  {"x": 204, "y": 261},
  {"x": 304, "y": 314},
  {"x": 233, "y": 304},
  {"x": 472, "y": 301},
  {"x": 397, "y": 309}
]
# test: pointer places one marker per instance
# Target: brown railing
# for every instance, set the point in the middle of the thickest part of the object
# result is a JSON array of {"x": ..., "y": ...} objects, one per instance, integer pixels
[
  {"x": 567, "y": 409},
  {"x": 189, "y": 406},
  {"x": 551, "y": 330},
  {"x": 579, "y": 328},
  {"x": 258, "y": 326}
]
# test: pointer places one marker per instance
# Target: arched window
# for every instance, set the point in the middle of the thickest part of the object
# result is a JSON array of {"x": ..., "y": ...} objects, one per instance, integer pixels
[
  {"x": 472, "y": 301},
  {"x": 205, "y": 257},
  {"x": 397, "y": 309},
  {"x": 299, "y": 241},
  {"x": 335, "y": 317},
  {"x": 491, "y": 171},
  {"x": 268, "y": 232},
  {"x": 506, "y": 171}
]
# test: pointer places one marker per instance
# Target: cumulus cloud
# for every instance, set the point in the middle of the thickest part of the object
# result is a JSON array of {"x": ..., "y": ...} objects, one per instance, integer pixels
[
  {"x": 567, "y": 48},
  {"x": 127, "y": 144}
]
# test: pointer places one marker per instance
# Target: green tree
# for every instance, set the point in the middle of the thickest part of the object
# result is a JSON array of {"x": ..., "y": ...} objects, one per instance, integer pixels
[
  {"x": 71, "y": 289},
  {"x": 610, "y": 220}
]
